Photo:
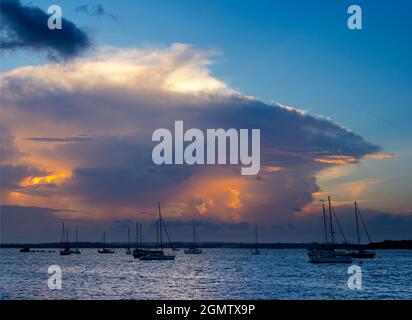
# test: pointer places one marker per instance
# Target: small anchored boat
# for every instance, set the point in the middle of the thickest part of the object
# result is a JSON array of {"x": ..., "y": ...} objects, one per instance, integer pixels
[
  {"x": 159, "y": 253},
  {"x": 104, "y": 249},
  {"x": 65, "y": 251},
  {"x": 76, "y": 251},
  {"x": 327, "y": 252},
  {"x": 193, "y": 249},
  {"x": 361, "y": 253},
  {"x": 256, "y": 251},
  {"x": 128, "y": 250}
]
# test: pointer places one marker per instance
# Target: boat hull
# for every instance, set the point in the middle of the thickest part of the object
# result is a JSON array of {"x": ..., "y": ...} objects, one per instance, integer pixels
[
  {"x": 150, "y": 257},
  {"x": 329, "y": 257},
  {"x": 193, "y": 251},
  {"x": 363, "y": 255},
  {"x": 105, "y": 251},
  {"x": 140, "y": 253}
]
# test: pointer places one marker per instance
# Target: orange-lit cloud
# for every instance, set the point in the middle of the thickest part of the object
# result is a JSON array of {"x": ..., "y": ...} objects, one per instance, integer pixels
[
  {"x": 382, "y": 156},
  {"x": 56, "y": 178},
  {"x": 338, "y": 160}
]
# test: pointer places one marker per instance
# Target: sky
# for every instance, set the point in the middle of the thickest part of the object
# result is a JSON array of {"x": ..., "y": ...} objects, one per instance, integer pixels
[{"x": 78, "y": 107}]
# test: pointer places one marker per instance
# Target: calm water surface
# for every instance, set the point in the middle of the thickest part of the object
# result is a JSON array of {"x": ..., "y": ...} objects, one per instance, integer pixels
[{"x": 216, "y": 274}]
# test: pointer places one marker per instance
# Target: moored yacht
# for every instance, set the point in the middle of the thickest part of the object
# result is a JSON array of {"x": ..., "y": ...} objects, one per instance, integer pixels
[
  {"x": 256, "y": 251},
  {"x": 327, "y": 252},
  {"x": 104, "y": 249},
  {"x": 158, "y": 254},
  {"x": 193, "y": 249},
  {"x": 65, "y": 251},
  {"x": 128, "y": 250},
  {"x": 361, "y": 253},
  {"x": 76, "y": 251}
]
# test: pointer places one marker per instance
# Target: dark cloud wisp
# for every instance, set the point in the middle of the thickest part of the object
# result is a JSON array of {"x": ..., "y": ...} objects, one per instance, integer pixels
[
  {"x": 25, "y": 27},
  {"x": 96, "y": 10}
]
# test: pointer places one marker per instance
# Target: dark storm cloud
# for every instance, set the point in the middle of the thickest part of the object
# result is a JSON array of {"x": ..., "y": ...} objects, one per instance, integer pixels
[
  {"x": 11, "y": 176},
  {"x": 25, "y": 27},
  {"x": 8, "y": 149},
  {"x": 120, "y": 170},
  {"x": 96, "y": 10}
]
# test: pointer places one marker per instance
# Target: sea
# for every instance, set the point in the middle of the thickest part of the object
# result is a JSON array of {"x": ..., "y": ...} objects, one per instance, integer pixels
[{"x": 215, "y": 274}]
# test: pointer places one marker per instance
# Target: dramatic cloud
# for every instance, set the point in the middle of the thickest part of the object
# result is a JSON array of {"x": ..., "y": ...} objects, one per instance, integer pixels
[
  {"x": 121, "y": 96},
  {"x": 25, "y": 27}
]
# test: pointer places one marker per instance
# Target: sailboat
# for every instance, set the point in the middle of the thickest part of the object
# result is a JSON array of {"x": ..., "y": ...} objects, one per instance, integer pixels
[
  {"x": 65, "y": 251},
  {"x": 76, "y": 251},
  {"x": 327, "y": 253},
  {"x": 362, "y": 253},
  {"x": 104, "y": 249},
  {"x": 193, "y": 249},
  {"x": 159, "y": 253},
  {"x": 128, "y": 251},
  {"x": 139, "y": 252},
  {"x": 256, "y": 250}
]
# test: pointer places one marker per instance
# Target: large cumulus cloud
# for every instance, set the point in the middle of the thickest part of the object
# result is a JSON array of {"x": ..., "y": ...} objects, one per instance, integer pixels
[{"x": 119, "y": 97}]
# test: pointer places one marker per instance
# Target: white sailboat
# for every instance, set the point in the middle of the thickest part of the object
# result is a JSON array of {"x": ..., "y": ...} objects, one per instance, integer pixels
[
  {"x": 159, "y": 254},
  {"x": 104, "y": 249},
  {"x": 256, "y": 251},
  {"x": 128, "y": 250},
  {"x": 193, "y": 249},
  {"x": 362, "y": 253},
  {"x": 65, "y": 251},
  {"x": 327, "y": 253},
  {"x": 76, "y": 251}
]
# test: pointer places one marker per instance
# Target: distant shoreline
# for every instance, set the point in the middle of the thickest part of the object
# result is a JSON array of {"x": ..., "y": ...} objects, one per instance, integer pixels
[{"x": 387, "y": 244}]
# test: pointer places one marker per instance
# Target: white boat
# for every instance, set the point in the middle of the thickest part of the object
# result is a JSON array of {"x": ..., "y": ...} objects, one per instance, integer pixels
[
  {"x": 104, "y": 249},
  {"x": 65, "y": 242},
  {"x": 327, "y": 252},
  {"x": 362, "y": 253},
  {"x": 128, "y": 250},
  {"x": 158, "y": 254},
  {"x": 256, "y": 251},
  {"x": 76, "y": 251},
  {"x": 193, "y": 249},
  {"x": 324, "y": 256}
]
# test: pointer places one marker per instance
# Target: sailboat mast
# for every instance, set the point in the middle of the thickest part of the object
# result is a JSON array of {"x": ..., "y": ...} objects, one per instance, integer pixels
[
  {"x": 357, "y": 223},
  {"x": 140, "y": 233},
  {"x": 160, "y": 228},
  {"x": 331, "y": 222},
  {"x": 67, "y": 236},
  {"x": 194, "y": 234},
  {"x": 128, "y": 237},
  {"x": 324, "y": 222},
  {"x": 77, "y": 240},
  {"x": 256, "y": 235},
  {"x": 363, "y": 223},
  {"x": 157, "y": 234},
  {"x": 62, "y": 237},
  {"x": 137, "y": 236}
]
